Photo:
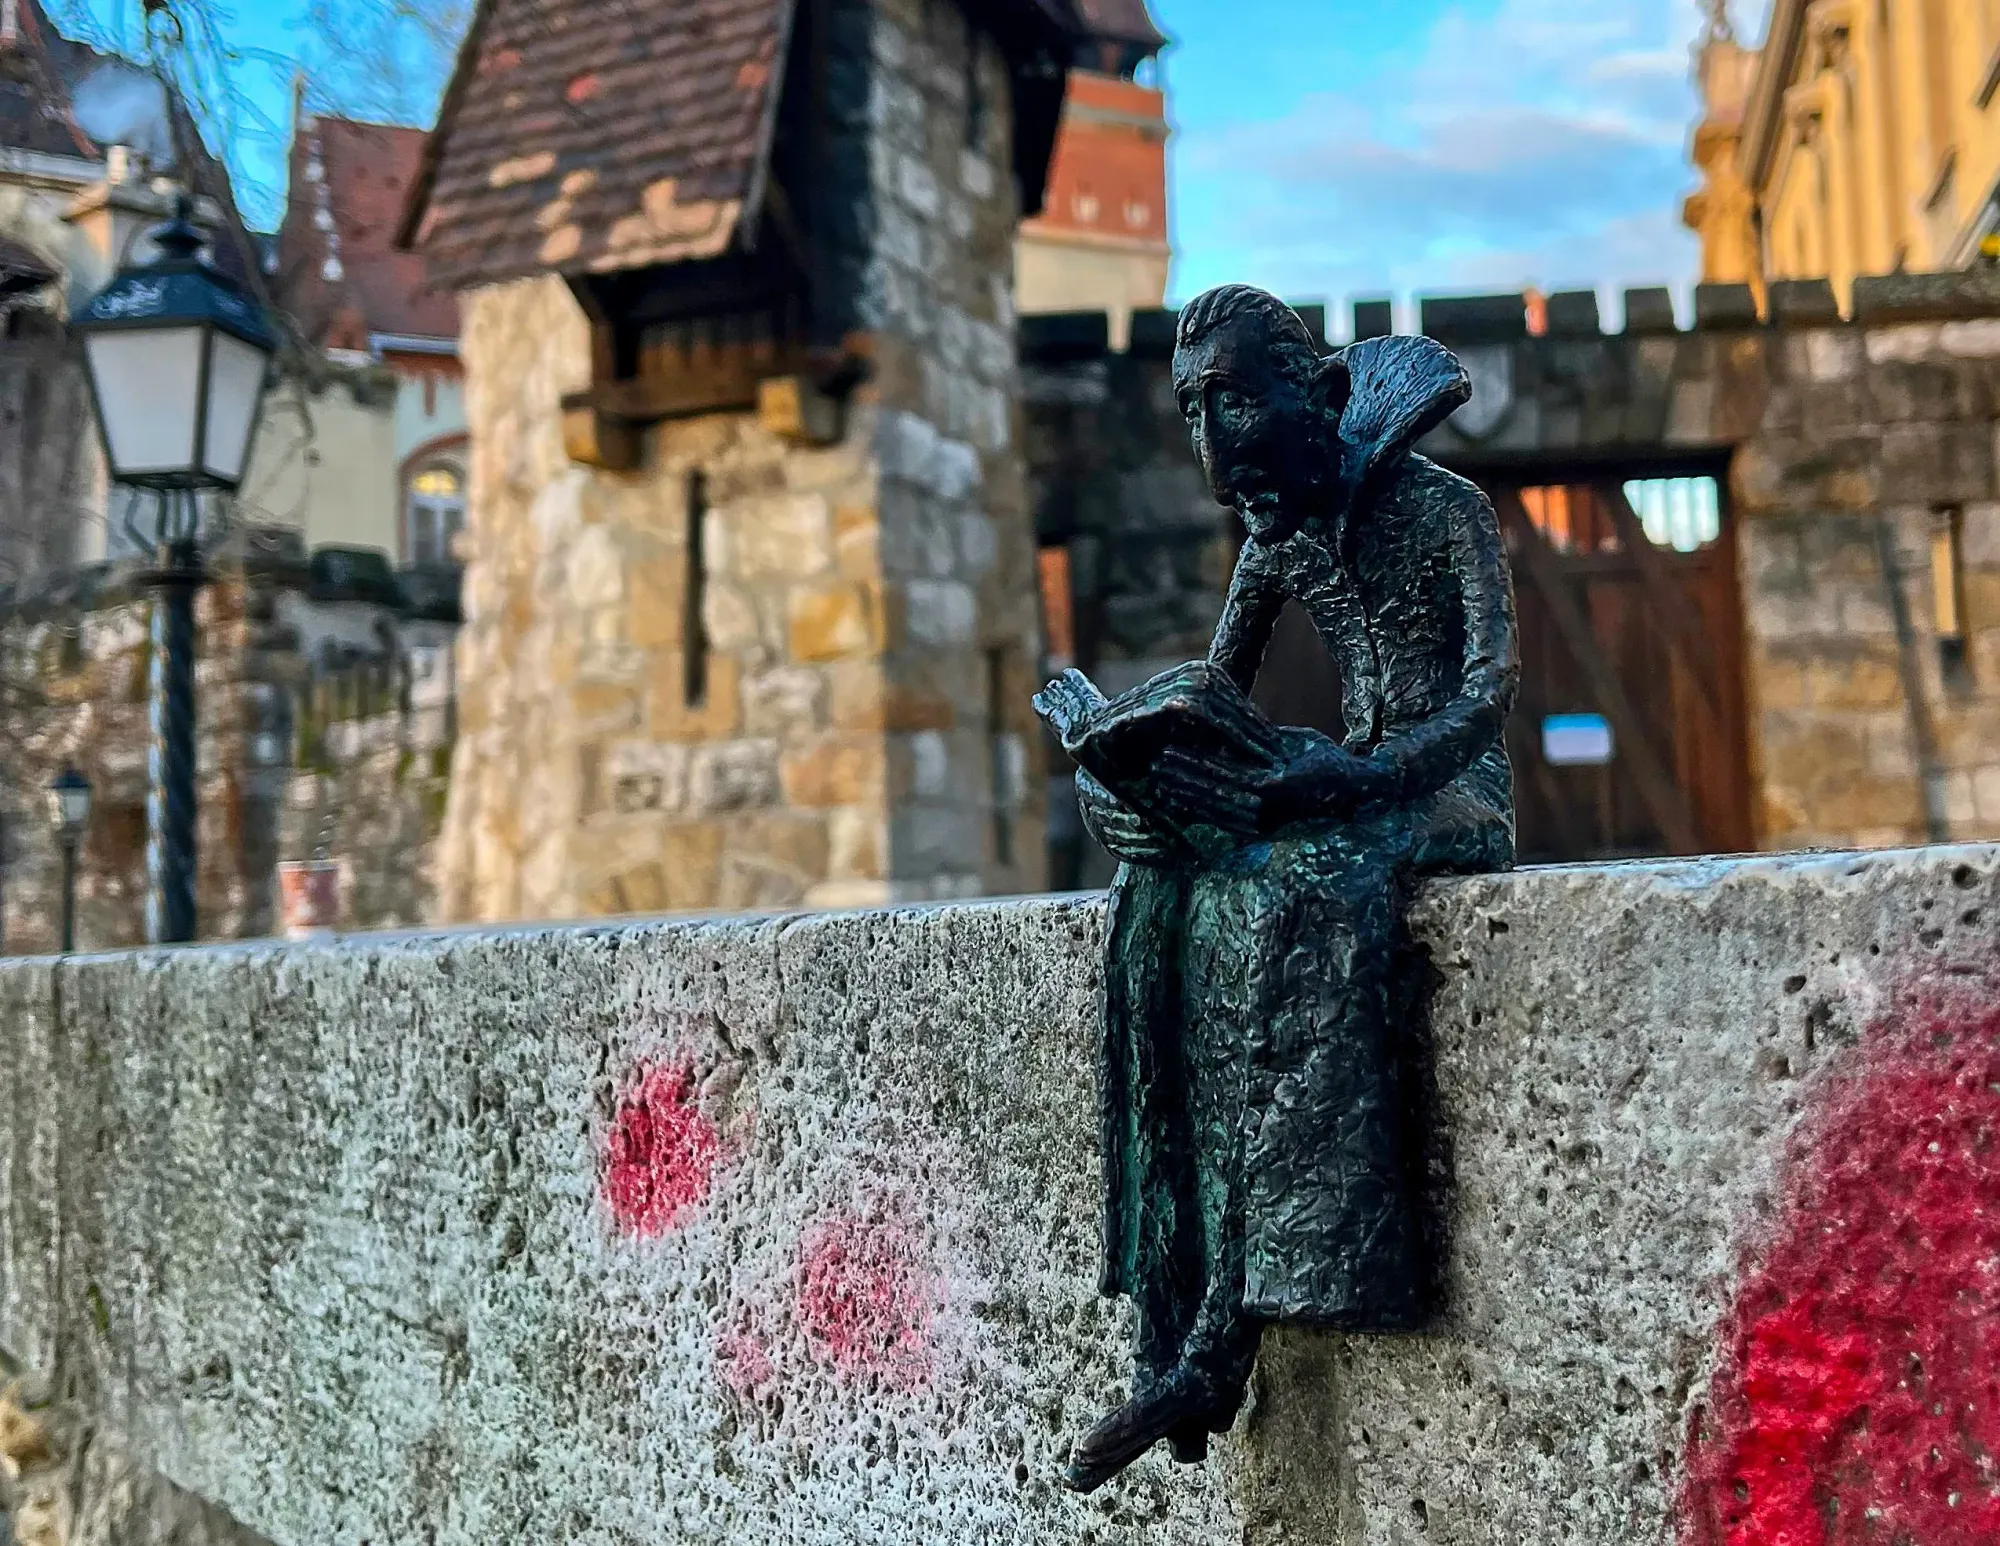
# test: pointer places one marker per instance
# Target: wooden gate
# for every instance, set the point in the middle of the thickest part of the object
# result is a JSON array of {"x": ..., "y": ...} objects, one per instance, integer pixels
[
  {"x": 1645, "y": 638},
  {"x": 1616, "y": 630}
]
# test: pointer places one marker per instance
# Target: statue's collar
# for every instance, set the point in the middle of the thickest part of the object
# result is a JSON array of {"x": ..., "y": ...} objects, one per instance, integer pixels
[{"x": 1404, "y": 387}]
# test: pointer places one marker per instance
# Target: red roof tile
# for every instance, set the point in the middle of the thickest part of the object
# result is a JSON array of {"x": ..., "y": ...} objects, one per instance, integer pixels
[
  {"x": 348, "y": 184},
  {"x": 591, "y": 138},
  {"x": 585, "y": 137}
]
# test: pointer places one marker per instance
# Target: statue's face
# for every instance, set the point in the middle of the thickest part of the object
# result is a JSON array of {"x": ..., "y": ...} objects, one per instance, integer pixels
[{"x": 1259, "y": 434}]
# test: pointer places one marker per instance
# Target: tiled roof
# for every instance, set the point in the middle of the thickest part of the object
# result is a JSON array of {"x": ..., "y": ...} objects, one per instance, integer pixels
[
  {"x": 34, "y": 107},
  {"x": 589, "y": 138},
  {"x": 337, "y": 250},
  {"x": 1121, "y": 21}
]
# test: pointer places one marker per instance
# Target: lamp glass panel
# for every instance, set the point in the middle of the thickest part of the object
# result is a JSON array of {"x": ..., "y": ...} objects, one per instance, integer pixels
[
  {"x": 235, "y": 381},
  {"x": 148, "y": 387}
]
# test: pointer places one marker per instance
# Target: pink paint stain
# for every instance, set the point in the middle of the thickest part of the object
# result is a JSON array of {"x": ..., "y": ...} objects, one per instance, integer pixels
[
  {"x": 1857, "y": 1399},
  {"x": 866, "y": 1299},
  {"x": 743, "y": 1361},
  {"x": 661, "y": 1158}
]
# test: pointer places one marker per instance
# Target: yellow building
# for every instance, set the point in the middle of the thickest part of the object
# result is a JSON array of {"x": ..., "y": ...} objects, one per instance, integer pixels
[{"x": 1862, "y": 138}]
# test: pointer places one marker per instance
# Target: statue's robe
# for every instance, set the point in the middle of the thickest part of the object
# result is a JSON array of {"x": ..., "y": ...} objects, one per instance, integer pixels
[{"x": 1253, "y": 1009}]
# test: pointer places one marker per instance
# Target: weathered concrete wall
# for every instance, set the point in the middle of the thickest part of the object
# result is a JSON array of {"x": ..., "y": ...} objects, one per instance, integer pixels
[{"x": 784, "y": 1230}]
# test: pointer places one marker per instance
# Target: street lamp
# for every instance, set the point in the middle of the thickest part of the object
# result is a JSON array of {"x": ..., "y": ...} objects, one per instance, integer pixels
[
  {"x": 177, "y": 356},
  {"x": 69, "y": 814}
]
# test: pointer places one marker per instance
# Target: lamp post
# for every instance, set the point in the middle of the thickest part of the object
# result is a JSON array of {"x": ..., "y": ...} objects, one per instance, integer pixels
[
  {"x": 177, "y": 356},
  {"x": 69, "y": 814}
]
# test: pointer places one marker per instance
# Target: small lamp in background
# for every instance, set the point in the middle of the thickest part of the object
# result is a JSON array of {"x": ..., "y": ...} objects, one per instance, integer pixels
[{"x": 69, "y": 815}]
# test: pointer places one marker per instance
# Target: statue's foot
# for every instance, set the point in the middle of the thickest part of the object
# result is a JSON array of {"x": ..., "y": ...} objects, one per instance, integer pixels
[{"x": 1183, "y": 1408}]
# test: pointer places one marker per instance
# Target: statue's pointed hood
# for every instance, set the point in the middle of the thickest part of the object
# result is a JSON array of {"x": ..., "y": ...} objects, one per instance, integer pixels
[{"x": 1403, "y": 388}]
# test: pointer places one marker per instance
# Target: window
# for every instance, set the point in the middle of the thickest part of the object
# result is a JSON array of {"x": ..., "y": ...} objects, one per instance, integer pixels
[
  {"x": 434, "y": 513},
  {"x": 1948, "y": 582},
  {"x": 1679, "y": 513},
  {"x": 694, "y": 629}
]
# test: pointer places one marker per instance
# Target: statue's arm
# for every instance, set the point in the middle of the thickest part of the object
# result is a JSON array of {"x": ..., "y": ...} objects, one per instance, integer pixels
[
  {"x": 1428, "y": 756},
  {"x": 1248, "y": 616},
  {"x": 1425, "y": 758}
]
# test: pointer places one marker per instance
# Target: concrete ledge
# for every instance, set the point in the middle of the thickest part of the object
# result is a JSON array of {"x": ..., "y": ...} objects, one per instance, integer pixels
[{"x": 783, "y": 1230}]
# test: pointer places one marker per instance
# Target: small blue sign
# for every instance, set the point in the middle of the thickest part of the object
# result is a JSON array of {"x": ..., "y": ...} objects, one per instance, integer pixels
[{"x": 1576, "y": 740}]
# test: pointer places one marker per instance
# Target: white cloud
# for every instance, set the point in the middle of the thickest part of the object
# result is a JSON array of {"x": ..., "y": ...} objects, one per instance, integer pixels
[{"x": 1542, "y": 142}]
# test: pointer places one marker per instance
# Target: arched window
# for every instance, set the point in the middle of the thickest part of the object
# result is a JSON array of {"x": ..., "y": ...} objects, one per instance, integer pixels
[{"x": 433, "y": 513}]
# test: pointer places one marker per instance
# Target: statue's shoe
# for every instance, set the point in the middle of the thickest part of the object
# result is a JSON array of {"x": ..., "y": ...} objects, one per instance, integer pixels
[{"x": 1184, "y": 1407}]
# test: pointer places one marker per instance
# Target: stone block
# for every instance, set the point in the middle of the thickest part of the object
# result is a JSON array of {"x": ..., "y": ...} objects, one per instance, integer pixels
[
  {"x": 857, "y": 843},
  {"x": 781, "y": 537},
  {"x": 836, "y": 770},
  {"x": 938, "y": 612},
  {"x": 1953, "y": 295},
  {"x": 832, "y": 622},
  {"x": 785, "y": 702},
  {"x": 1979, "y": 535},
  {"x": 772, "y": 860},
  {"x": 1779, "y": 682},
  {"x": 1986, "y": 796},
  {"x": 1854, "y": 679},
  {"x": 1976, "y": 340},
  {"x": 733, "y": 776},
  {"x": 857, "y": 542},
  {"x": 1943, "y": 462},
  {"x": 1724, "y": 307},
  {"x": 656, "y": 602},
  {"x": 1803, "y": 302},
  {"x": 1908, "y": 343},
  {"x": 716, "y": 716},
  {"x": 601, "y": 708},
  {"x": 865, "y": 698}
]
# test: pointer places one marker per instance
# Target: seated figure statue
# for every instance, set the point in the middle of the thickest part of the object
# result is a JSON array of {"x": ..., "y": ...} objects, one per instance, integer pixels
[{"x": 1261, "y": 1132}]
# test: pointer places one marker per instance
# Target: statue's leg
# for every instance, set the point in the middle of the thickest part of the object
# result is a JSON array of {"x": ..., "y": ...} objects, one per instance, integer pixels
[{"x": 1333, "y": 1194}]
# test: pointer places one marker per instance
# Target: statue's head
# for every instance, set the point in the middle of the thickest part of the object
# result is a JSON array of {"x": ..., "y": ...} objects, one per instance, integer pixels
[{"x": 1263, "y": 405}]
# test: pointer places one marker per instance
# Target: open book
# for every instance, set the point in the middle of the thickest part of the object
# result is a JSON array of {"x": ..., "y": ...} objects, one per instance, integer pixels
[{"x": 1194, "y": 708}]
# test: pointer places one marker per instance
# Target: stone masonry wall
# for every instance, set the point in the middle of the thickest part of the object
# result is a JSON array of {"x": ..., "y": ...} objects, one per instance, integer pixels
[
  {"x": 868, "y": 606},
  {"x": 783, "y": 1230},
  {"x": 286, "y": 731}
]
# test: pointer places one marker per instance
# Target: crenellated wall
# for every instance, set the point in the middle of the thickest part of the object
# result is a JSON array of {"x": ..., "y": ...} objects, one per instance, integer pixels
[{"x": 784, "y": 1230}]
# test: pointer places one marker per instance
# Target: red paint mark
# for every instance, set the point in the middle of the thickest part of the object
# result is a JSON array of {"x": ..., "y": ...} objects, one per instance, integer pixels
[
  {"x": 662, "y": 1154},
  {"x": 866, "y": 1298},
  {"x": 583, "y": 87},
  {"x": 752, "y": 75},
  {"x": 743, "y": 1361},
  {"x": 500, "y": 61},
  {"x": 1857, "y": 1398}
]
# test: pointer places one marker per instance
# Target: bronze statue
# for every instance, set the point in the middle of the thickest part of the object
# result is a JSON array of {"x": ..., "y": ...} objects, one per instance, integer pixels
[{"x": 1264, "y": 1157}]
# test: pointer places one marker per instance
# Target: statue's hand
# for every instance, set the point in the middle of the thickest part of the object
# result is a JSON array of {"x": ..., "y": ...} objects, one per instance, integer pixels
[
  {"x": 1123, "y": 832},
  {"x": 1324, "y": 779}
]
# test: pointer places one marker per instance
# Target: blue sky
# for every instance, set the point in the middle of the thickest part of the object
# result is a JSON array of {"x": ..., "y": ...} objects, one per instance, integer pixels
[
  {"x": 1428, "y": 146},
  {"x": 1324, "y": 148}
]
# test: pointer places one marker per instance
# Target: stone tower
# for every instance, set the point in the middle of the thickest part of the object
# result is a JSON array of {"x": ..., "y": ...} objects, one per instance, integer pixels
[
  {"x": 749, "y": 596},
  {"x": 1101, "y": 242}
]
